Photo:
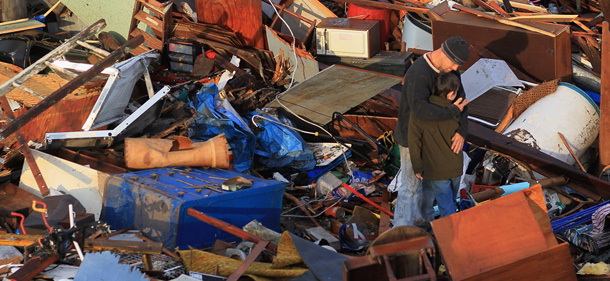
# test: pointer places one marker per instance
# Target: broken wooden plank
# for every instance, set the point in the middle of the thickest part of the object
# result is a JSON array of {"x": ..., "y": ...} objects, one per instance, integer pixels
[
  {"x": 254, "y": 253},
  {"x": 20, "y": 26},
  {"x": 67, "y": 88},
  {"x": 419, "y": 7},
  {"x": 229, "y": 228},
  {"x": 545, "y": 18}
]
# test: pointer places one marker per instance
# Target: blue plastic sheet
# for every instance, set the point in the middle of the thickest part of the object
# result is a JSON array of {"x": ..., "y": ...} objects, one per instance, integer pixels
[
  {"x": 216, "y": 116},
  {"x": 280, "y": 146}
]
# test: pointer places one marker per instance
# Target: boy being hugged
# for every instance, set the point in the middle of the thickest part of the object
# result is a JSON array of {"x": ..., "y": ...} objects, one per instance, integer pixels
[{"x": 434, "y": 162}]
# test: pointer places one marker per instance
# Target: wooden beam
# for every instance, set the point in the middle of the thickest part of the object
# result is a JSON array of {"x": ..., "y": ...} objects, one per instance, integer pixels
[
  {"x": 228, "y": 228},
  {"x": 419, "y": 9},
  {"x": 546, "y": 165},
  {"x": 604, "y": 122},
  {"x": 258, "y": 249}
]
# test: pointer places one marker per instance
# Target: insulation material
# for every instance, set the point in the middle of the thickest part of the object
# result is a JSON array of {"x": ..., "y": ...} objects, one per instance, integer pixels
[
  {"x": 287, "y": 253},
  {"x": 205, "y": 262}
]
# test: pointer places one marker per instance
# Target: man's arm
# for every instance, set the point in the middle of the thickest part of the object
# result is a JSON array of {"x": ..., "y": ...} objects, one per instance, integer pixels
[
  {"x": 457, "y": 142},
  {"x": 418, "y": 91}
]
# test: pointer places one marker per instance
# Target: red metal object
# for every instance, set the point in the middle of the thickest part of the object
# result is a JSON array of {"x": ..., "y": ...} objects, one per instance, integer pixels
[
  {"x": 366, "y": 199},
  {"x": 31, "y": 268},
  {"x": 229, "y": 228}
]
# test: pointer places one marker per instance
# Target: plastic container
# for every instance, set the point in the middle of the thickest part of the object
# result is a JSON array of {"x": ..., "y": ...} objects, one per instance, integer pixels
[
  {"x": 156, "y": 202},
  {"x": 569, "y": 111}
]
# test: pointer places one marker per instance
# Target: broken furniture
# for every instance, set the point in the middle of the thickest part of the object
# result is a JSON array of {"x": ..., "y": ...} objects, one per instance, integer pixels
[
  {"x": 110, "y": 106},
  {"x": 347, "y": 37},
  {"x": 517, "y": 46},
  {"x": 156, "y": 202},
  {"x": 509, "y": 238},
  {"x": 158, "y": 18},
  {"x": 402, "y": 253}
]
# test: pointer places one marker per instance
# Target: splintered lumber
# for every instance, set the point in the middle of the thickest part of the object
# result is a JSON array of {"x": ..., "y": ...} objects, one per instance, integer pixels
[
  {"x": 242, "y": 16},
  {"x": 49, "y": 101},
  {"x": 545, "y": 18},
  {"x": 419, "y": 9}
]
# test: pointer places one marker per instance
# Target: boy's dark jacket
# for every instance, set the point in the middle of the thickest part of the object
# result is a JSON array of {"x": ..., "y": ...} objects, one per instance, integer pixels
[{"x": 430, "y": 145}]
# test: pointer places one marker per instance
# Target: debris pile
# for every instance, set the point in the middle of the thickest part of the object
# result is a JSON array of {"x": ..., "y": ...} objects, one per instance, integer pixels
[{"x": 246, "y": 139}]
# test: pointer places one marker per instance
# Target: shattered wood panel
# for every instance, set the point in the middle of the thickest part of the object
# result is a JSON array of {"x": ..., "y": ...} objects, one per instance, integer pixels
[
  {"x": 511, "y": 234},
  {"x": 41, "y": 84},
  {"x": 84, "y": 183},
  {"x": 309, "y": 9},
  {"x": 244, "y": 17},
  {"x": 375, "y": 126},
  {"x": 336, "y": 88},
  {"x": 307, "y": 65},
  {"x": 65, "y": 116}
]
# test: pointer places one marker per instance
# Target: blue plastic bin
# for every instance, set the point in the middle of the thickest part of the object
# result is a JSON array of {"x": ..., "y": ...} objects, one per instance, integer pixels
[{"x": 156, "y": 202}]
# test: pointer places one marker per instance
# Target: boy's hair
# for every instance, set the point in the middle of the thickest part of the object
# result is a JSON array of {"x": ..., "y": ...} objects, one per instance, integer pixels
[{"x": 445, "y": 83}]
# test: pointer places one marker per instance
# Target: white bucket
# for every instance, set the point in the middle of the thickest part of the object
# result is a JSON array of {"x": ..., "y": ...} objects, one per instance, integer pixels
[{"x": 569, "y": 111}]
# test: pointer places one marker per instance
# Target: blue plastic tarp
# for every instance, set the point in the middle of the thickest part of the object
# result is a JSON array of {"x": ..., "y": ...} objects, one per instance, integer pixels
[
  {"x": 280, "y": 146},
  {"x": 215, "y": 116}
]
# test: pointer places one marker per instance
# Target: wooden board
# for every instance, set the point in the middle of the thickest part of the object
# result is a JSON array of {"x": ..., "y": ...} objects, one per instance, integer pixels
[
  {"x": 555, "y": 263},
  {"x": 20, "y": 26},
  {"x": 535, "y": 197},
  {"x": 309, "y": 9},
  {"x": 337, "y": 88},
  {"x": 489, "y": 236},
  {"x": 244, "y": 17}
]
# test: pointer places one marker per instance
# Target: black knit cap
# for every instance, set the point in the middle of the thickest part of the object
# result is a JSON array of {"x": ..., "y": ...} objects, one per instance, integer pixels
[{"x": 456, "y": 49}]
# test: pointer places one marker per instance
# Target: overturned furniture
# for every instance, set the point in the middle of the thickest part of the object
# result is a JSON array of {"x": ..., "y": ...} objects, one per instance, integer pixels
[{"x": 509, "y": 238}]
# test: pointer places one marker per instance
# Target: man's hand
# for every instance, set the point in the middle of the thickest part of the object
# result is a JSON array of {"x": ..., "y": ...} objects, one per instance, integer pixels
[
  {"x": 457, "y": 142},
  {"x": 418, "y": 175},
  {"x": 461, "y": 103}
]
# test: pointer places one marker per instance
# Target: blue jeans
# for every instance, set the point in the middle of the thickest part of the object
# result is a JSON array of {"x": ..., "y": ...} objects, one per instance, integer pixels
[
  {"x": 445, "y": 192},
  {"x": 409, "y": 200}
]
